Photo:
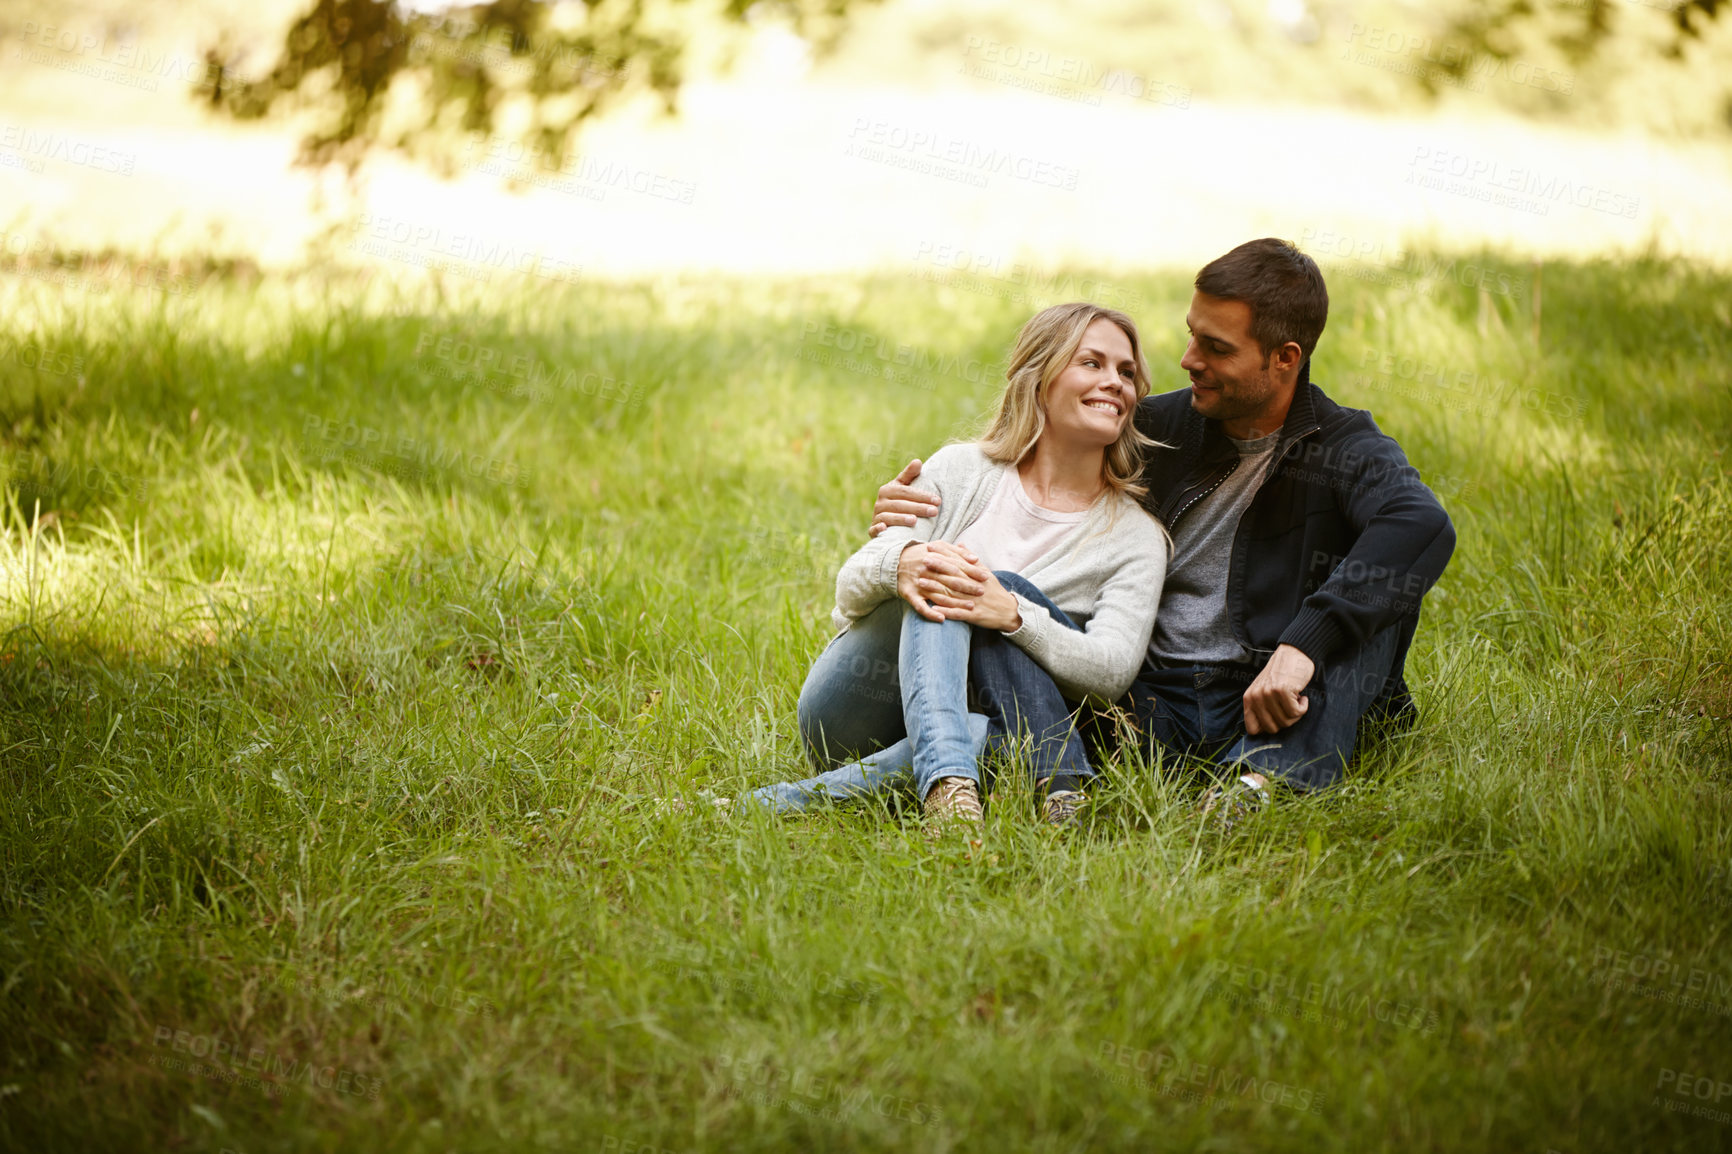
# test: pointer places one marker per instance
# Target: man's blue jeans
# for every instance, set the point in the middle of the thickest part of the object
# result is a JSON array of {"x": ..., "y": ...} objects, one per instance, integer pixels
[
  {"x": 1198, "y": 710},
  {"x": 888, "y": 701}
]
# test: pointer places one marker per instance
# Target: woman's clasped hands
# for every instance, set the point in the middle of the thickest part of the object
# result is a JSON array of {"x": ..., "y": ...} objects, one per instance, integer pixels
[{"x": 945, "y": 582}]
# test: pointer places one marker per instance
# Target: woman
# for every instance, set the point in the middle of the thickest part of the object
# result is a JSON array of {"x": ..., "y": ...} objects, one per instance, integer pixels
[{"x": 1042, "y": 514}]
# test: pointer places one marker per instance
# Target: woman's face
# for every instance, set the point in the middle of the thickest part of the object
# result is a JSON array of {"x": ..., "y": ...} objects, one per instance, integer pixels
[{"x": 1092, "y": 397}]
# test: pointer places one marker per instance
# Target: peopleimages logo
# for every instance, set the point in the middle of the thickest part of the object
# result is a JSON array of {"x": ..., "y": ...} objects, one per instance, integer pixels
[
  {"x": 535, "y": 378},
  {"x": 94, "y": 53},
  {"x": 229, "y": 1060},
  {"x": 1721, "y": 881},
  {"x": 1474, "y": 391},
  {"x": 1410, "y": 53},
  {"x": 856, "y": 350},
  {"x": 1513, "y": 186},
  {"x": 1660, "y": 978},
  {"x": 404, "y": 455},
  {"x": 891, "y": 143},
  {"x": 975, "y": 270},
  {"x": 1332, "y": 1002},
  {"x": 1067, "y": 77},
  {"x": 827, "y": 1099},
  {"x": 1364, "y": 258},
  {"x": 584, "y": 175},
  {"x": 1687, "y": 1093},
  {"x": 398, "y": 238},
  {"x": 58, "y": 146},
  {"x": 1166, "y": 1073}
]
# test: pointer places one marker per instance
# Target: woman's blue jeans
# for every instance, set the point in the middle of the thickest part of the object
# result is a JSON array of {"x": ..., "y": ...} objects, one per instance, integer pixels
[
  {"x": 884, "y": 702},
  {"x": 887, "y": 702}
]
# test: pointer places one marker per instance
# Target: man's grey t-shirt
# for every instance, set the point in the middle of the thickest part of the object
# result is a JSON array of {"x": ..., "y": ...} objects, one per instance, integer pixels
[{"x": 1191, "y": 626}]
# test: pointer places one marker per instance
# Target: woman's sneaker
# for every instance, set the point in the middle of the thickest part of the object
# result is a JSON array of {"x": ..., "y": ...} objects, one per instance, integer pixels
[
  {"x": 952, "y": 799},
  {"x": 1065, "y": 807}
]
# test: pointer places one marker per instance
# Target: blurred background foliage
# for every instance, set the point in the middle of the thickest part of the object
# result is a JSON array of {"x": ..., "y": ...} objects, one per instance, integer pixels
[
  {"x": 356, "y": 75},
  {"x": 539, "y": 70}
]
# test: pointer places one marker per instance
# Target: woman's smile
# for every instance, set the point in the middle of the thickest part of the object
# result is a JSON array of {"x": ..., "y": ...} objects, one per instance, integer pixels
[{"x": 1091, "y": 395}]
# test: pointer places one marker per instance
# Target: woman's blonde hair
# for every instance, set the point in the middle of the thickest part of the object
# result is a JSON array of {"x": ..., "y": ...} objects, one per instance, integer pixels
[{"x": 1043, "y": 348}]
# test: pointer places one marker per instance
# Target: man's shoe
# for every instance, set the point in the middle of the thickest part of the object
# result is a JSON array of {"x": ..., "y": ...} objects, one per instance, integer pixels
[
  {"x": 952, "y": 799},
  {"x": 1065, "y": 808},
  {"x": 1232, "y": 804}
]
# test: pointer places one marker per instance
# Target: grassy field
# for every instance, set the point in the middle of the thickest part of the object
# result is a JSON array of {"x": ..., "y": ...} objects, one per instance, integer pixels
[{"x": 338, "y": 680}]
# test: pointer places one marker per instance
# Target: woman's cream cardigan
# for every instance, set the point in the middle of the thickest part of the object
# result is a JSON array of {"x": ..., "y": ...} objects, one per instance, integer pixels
[{"x": 1108, "y": 574}]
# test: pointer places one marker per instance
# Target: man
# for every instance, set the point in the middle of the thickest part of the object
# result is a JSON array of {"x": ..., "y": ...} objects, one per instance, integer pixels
[{"x": 1303, "y": 543}]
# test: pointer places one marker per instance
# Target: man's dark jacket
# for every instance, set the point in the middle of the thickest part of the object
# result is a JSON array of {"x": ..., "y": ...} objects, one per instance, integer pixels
[{"x": 1342, "y": 540}]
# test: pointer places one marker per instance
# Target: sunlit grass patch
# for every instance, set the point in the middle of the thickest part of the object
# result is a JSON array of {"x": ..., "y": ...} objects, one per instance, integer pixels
[{"x": 343, "y": 667}]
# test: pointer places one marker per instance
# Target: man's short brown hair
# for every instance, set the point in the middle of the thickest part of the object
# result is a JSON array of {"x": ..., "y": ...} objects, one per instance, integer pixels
[{"x": 1283, "y": 286}]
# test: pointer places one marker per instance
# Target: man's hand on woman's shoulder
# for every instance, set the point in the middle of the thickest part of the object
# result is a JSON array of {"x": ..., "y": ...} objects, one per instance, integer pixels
[{"x": 899, "y": 504}]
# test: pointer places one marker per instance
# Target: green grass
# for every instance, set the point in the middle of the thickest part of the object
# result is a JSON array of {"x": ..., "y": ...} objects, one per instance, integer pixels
[{"x": 335, "y": 689}]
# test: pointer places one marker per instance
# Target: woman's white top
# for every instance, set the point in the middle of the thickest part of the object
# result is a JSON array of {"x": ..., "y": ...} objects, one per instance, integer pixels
[{"x": 1013, "y": 532}]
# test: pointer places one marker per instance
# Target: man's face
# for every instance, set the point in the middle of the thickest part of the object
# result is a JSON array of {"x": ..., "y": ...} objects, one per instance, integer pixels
[{"x": 1230, "y": 379}]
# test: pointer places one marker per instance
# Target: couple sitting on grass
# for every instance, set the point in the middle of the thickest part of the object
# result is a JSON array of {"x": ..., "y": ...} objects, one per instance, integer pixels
[{"x": 1237, "y": 567}]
